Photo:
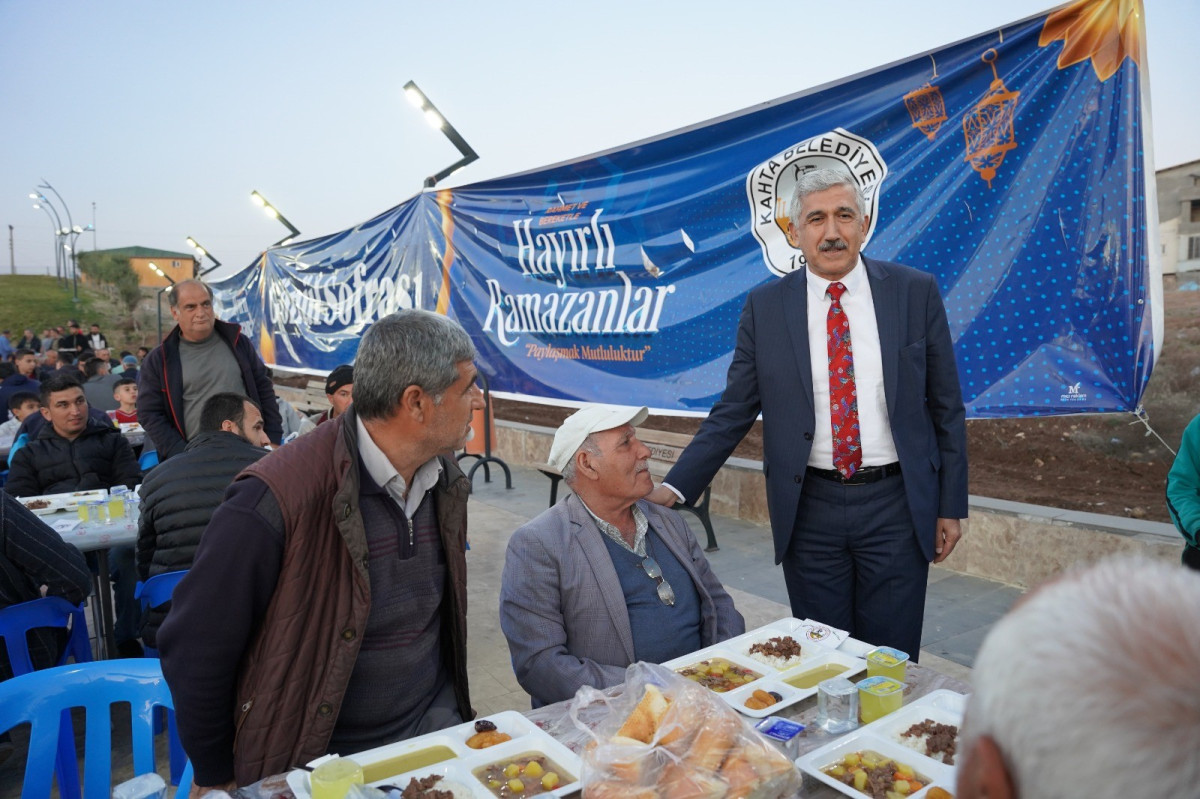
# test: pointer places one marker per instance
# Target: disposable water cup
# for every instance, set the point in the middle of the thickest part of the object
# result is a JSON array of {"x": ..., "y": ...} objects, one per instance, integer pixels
[
  {"x": 333, "y": 778},
  {"x": 837, "y": 705}
]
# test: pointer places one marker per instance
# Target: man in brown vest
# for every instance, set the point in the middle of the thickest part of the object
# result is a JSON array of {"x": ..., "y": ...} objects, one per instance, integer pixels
[{"x": 326, "y": 608}]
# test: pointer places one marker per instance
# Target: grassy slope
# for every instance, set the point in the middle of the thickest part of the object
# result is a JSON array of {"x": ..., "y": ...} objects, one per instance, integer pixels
[{"x": 39, "y": 302}]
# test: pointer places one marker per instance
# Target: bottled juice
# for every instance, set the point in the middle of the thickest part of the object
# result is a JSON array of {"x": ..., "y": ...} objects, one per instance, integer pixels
[
  {"x": 887, "y": 662},
  {"x": 878, "y": 696}
]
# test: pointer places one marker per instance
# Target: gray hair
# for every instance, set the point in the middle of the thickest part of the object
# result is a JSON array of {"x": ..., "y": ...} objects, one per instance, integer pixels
[
  {"x": 589, "y": 446},
  {"x": 407, "y": 348},
  {"x": 173, "y": 294},
  {"x": 1098, "y": 667},
  {"x": 819, "y": 180}
]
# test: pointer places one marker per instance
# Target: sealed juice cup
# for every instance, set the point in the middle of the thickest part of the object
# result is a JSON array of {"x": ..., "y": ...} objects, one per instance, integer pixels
[
  {"x": 887, "y": 662},
  {"x": 878, "y": 696},
  {"x": 333, "y": 778}
]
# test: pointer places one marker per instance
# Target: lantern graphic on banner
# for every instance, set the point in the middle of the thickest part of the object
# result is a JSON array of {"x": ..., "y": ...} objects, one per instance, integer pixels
[
  {"x": 989, "y": 127},
  {"x": 926, "y": 107}
]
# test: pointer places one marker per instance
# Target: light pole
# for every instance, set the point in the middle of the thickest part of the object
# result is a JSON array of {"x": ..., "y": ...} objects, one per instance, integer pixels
[
  {"x": 203, "y": 253},
  {"x": 54, "y": 236},
  {"x": 74, "y": 233},
  {"x": 435, "y": 118},
  {"x": 273, "y": 212},
  {"x": 45, "y": 184},
  {"x": 40, "y": 200},
  {"x": 158, "y": 297}
]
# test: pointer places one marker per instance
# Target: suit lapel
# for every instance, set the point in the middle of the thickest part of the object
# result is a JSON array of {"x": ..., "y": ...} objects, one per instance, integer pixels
[
  {"x": 886, "y": 298},
  {"x": 796, "y": 313},
  {"x": 591, "y": 541}
]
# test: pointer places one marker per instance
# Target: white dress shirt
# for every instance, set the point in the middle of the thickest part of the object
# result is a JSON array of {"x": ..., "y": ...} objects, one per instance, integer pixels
[
  {"x": 387, "y": 477},
  {"x": 878, "y": 449}
]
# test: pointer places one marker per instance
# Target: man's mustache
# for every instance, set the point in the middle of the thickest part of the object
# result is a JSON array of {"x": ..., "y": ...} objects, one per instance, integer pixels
[{"x": 836, "y": 244}]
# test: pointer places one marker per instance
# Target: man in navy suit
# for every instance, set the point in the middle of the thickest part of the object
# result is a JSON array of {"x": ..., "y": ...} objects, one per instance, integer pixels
[{"x": 859, "y": 505}]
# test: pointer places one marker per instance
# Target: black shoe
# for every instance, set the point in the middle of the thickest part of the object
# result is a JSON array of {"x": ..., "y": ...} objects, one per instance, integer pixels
[{"x": 130, "y": 649}]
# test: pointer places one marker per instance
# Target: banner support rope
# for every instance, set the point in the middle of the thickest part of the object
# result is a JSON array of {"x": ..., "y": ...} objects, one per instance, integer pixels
[{"x": 1140, "y": 415}]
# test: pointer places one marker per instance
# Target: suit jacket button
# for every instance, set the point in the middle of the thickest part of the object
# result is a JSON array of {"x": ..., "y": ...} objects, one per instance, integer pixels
[
  {"x": 797, "y": 478},
  {"x": 808, "y": 436}
]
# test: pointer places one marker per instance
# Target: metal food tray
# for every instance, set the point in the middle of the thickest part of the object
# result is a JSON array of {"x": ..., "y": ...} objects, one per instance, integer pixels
[
  {"x": 943, "y": 706},
  {"x": 527, "y": 738},
  {"x": 812, "y": 655}
]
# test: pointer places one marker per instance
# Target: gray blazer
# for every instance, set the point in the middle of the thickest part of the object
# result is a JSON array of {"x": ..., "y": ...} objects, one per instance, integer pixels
[{"x": 562, "y": 608}]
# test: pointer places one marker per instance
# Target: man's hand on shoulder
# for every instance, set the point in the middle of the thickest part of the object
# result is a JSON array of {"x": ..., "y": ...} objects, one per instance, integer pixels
[
  {"x": 946, "y": 537},
  {"x": 663, "y": 496}
]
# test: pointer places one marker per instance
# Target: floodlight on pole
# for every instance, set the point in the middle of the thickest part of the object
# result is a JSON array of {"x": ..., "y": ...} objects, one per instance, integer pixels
[
  {"x": 45, "y": 184},
  {"x": 158, "y": 298},
  {"x": 203, "y": 253},
  {"x": 41, "y": 201},
  {"x": 436, "y": 119},
  {"x": 273, "y": 212},
  {"x": 45, "y": 208}
]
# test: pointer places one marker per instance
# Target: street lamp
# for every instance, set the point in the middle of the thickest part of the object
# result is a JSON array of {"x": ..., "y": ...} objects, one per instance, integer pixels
[
  {"x": 273, "y": 212},
  {"x": 158, "y": 298},
  {"x": 45, "y": 184},
  {"x": 55, "y": 225},
  {"x": 435, "y": 119},
  {"x": 202, "y": 253}
]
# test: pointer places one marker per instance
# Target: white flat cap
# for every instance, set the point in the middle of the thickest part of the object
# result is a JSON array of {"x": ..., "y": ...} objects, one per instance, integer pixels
[{"x": 585, "y": 421}]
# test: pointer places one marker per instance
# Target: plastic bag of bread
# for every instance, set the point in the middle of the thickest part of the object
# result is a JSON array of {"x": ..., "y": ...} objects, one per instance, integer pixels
[{"x": 666, "y": 736}]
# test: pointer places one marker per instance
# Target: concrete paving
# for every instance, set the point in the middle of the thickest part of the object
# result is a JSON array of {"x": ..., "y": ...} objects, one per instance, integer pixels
[{"x": 959, "y": 609}]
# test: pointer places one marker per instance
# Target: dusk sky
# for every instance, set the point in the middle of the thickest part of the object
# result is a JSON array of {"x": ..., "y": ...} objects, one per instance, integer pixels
[{"x": 165, "y": 116}]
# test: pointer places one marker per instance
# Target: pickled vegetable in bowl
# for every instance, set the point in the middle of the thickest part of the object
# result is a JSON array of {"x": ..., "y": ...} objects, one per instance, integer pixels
[{"x": 719, "y": 674}]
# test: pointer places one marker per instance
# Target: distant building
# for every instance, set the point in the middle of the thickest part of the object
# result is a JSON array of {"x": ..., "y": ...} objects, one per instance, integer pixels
[
  {"x": 176, "y": 265},
  {"x": 1179, "y": 218}
]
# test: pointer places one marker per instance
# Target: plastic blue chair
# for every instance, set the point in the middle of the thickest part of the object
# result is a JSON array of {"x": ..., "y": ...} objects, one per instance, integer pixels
[
  {"x": 41, "y": 698},
  {"x": 52, "y": 611},
  {"x": 153, "y": 593}
]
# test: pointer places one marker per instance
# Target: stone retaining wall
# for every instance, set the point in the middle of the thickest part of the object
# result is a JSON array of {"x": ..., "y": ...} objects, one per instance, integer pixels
[{"x": 1011, "y": 542}]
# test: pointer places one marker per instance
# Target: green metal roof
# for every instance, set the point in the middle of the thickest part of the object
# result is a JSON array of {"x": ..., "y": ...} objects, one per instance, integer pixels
[{"x": 147, "y": 252}]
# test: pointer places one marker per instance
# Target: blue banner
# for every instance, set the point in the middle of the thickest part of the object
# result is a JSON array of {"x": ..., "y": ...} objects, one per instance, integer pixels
[{"x": 1013, "y": 166}]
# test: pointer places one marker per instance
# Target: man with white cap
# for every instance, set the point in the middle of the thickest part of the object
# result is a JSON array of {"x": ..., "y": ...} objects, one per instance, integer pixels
[{"x": 604, "y": 578}]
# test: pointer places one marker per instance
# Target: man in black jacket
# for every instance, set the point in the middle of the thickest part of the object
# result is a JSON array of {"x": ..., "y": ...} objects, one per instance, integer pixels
[
  {"x": 200, "y": 357},
  {"x": 74, "y": 452},
  {"x": 180, "y": 495}
]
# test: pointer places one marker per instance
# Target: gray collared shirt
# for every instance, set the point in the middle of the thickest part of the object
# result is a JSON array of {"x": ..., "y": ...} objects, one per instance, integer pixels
[
  {"x": 388, "y": 478},
  {"x": 640, "y": 523}
]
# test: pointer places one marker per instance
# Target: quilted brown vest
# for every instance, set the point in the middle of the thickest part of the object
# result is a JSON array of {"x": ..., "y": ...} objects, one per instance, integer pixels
[{"x": 295, "y": 672}]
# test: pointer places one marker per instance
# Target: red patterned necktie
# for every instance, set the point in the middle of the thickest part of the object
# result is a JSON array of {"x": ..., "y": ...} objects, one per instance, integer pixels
[{"x": 843, "y": 398}]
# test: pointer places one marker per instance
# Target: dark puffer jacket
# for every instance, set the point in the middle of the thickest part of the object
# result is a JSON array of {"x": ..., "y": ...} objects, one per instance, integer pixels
[
  {"x": 178, "y": 498},
  {"x": 99, "y": 457}
]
